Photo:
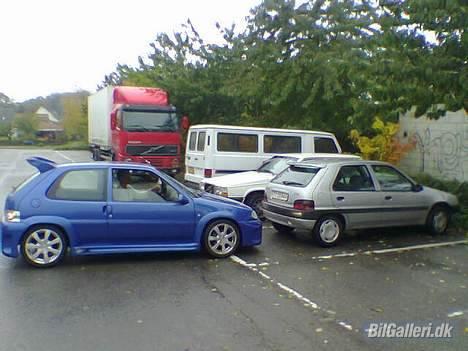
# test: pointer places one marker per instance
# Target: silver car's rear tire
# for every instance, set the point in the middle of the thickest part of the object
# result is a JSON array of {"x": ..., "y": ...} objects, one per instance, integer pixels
[
  {"x": 327, "y": 231},
  {"x": 438, "y": 220}
]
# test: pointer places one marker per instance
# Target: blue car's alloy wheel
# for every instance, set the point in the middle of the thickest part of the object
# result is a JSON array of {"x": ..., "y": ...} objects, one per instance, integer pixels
[
  {"x": 222, "y": 238},
  {"x": 43, "y": 246}
]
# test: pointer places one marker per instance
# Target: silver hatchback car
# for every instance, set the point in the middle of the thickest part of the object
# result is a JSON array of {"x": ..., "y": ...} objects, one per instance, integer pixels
[{"x": 333, "y": 196}]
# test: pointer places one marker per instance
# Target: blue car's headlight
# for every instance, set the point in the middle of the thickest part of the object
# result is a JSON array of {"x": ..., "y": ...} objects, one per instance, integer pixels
[{"x": 254, "y": 215}]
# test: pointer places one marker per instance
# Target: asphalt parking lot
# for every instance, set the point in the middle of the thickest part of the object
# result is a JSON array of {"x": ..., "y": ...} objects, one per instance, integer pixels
[{"x": 287, "y": 294}]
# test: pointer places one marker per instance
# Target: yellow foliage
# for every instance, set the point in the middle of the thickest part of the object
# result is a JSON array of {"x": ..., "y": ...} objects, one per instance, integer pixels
[{"x": 384, "y": 146}]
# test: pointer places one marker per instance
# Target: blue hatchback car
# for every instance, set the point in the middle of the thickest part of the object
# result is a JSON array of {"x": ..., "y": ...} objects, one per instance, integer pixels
[{"x": 108, "y": 207}]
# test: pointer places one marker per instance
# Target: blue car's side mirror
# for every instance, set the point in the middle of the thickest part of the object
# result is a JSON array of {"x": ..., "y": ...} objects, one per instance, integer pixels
[{"x": 182, "y": 200}]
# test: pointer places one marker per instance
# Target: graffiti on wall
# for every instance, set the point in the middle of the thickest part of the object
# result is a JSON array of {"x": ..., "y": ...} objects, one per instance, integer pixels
[{"x": 445, "y": 152}]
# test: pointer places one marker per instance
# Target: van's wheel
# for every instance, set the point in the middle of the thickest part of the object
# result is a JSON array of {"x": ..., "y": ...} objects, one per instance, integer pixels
[
  {"x": 255, "y": 202},
  {"x": 43, "y": 246},
  {"x": 327, "y": 231},
  {"x": 221, "y": 238},
  {"x": 438, "y": 220},
  {"x": 282, "y": 228}
]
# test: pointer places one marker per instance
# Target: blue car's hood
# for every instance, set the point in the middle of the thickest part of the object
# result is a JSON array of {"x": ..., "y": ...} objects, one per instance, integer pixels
[{"x": 218, "y": 199}]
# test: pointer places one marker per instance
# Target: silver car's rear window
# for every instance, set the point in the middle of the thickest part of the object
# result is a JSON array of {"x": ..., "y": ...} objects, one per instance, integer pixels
[{"x": 296, "y": 176}]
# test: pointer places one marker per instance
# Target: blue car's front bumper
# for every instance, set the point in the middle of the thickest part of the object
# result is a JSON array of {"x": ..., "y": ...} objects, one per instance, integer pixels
[{"x": 251, "y": 231}]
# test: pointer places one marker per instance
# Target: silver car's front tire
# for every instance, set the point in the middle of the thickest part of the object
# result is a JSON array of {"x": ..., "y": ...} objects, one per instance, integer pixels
[
  {"x": 438, "y": 220},
  {"x": 43, "y": 246},
  {"x": 327, "y": 231}
]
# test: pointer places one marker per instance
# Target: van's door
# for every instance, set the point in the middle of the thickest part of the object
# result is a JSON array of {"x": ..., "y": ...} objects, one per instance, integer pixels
[{"x": 195, "y": 156}]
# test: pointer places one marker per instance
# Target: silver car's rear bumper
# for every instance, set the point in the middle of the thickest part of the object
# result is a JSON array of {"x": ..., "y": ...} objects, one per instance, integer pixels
[{"x": 290, "y": 221}]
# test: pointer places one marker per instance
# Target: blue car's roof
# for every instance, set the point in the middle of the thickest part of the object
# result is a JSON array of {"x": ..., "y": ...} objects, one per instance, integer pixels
[{"x": 44, "y": 165}]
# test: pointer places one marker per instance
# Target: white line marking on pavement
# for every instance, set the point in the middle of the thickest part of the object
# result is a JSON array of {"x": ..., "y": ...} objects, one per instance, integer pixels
[
  {"x": 305, "y": 301},
  {"x": 395, "y": 249},
  {"x": 64, "y": 156},
  {"x": 456, "y": 314}
]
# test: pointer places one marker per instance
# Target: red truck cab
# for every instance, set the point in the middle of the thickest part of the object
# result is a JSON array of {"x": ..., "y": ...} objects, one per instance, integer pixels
[{"x": 143, "y": 127}]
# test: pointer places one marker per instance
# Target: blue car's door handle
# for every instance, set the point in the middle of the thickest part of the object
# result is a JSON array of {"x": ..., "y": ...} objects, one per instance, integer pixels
[{"x": 107, "y": 209}]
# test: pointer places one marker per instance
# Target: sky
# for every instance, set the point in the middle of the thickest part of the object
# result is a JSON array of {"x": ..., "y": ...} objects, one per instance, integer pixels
[{"x": 50, "y": 46}]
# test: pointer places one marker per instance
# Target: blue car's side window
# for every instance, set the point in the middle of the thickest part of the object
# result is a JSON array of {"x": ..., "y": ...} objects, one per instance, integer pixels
[
  {"x": 134, "y": 185},
  {"x": 80, "y": 185}
]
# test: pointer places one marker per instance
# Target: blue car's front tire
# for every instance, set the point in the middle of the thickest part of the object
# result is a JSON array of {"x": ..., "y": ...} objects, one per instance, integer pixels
[
  {"x": 43, "y": 246},
  {"x": 221, "y": 238}
]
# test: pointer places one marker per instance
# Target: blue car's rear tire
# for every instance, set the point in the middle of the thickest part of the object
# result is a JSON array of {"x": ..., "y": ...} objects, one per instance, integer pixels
[
  {"x": 44, "y": 246},
  {"x": 221, "y": 238}
]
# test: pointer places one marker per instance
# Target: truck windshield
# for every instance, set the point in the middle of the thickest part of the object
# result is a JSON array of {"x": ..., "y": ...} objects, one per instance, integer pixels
[{"x": 149, "y": 121}]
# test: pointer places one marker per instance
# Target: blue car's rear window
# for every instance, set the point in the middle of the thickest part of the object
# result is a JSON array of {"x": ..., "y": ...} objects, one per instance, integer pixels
[{"x": 25, "y": 182}]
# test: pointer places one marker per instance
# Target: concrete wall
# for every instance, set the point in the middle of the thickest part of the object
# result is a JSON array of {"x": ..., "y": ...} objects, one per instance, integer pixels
[{"x": 441, "y": 145}]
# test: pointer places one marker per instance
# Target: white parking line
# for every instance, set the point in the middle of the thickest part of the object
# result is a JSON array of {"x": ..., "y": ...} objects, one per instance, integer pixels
[
  {"x": 395, "y": 249},
  {"x": 304, "y": 300},
  {"x": 64, "y": 156}
]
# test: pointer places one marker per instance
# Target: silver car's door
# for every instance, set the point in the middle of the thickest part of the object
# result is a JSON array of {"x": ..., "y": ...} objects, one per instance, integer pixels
[
  {"x": 400, "y": 204},
  {"x": 354, "y": 195}
]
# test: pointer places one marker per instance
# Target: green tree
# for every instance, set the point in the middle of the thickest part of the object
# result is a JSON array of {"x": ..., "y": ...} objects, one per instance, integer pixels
[
  {"x": 26, "y": 123},
  {"x": 75, "y": 118}
]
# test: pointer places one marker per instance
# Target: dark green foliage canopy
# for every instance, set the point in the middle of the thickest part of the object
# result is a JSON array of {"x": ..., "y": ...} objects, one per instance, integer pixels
[{"x": 327, "y": 65}]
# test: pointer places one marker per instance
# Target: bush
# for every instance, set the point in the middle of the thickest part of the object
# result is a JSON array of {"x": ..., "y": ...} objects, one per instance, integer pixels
[{"x": 460, "y": 218}]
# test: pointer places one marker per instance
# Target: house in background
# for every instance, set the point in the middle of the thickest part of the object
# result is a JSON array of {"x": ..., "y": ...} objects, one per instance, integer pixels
[{"x": 48, "y": 126}]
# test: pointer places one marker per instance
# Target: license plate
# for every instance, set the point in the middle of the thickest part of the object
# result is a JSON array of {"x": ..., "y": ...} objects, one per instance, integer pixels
[
  {"x": 190, "y": 170},
  {"x": 276, "y": 195}
]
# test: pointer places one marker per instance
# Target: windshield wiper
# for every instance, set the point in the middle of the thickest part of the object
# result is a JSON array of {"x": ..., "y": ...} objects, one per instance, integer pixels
[{"x": 287, "y": 182}]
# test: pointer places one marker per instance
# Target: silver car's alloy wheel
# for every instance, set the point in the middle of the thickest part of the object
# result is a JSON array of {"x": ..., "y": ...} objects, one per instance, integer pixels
[
  {"x": 43, "y": 246},
  {"x": 329, "y": 230},
  {"x": 222, "y": 238},
  {"x": 440, "y": 221}
]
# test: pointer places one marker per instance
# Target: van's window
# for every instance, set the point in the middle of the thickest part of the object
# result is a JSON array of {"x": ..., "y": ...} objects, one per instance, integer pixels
[
  {"x": 326, "y": 145},
  {"x": 237, "y": 142},
  {"x": 80, "y": 185},
  {"x": 296, "y": 176},
  {"x": 201, "y": 141},
  {"x": 192, "y": 141},
  {"x": 278, "y": 144}
]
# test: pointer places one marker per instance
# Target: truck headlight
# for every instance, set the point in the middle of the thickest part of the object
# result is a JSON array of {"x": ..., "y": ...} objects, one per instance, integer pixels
[
  {"x": 254, "y": 215},
  {"x": 221, "y": 191},
  {"x": 12, "y": 216}
]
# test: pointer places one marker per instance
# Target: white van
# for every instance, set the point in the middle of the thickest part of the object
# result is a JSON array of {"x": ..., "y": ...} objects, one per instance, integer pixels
[{"x": 214, "y": 150}]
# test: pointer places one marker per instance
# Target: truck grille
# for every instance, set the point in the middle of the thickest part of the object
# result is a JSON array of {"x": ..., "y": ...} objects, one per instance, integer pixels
[{"x": 152, "y": 150}]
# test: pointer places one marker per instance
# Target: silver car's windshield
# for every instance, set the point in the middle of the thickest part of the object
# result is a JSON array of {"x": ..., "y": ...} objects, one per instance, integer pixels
[{"x": 276, "y": 165}]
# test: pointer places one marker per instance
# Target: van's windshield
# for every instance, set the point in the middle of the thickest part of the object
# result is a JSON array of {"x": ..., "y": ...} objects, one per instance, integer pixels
[
  {"x": 149, "y": 121},
  {"x": 276, "y": 165},
  {"x": 296, "y": 176}
]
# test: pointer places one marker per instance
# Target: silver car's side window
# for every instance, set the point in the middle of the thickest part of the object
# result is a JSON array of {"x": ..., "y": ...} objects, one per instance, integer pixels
[
  {"x": 353, "y": 178},
  {"x": 390, "y": 179}
]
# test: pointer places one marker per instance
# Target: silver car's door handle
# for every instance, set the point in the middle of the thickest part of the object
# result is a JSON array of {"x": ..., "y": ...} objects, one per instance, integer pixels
[
  {"x": 388, "y": 197},
  {"x": 340, "y": 198}
]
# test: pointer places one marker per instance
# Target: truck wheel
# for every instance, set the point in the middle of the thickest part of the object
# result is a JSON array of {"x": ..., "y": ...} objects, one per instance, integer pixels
[{"x": 255, "y": 202}]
